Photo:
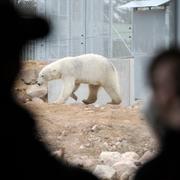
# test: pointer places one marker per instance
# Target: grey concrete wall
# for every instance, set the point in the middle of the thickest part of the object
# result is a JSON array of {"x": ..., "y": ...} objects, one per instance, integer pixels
[{"x": 126, "y": 81}]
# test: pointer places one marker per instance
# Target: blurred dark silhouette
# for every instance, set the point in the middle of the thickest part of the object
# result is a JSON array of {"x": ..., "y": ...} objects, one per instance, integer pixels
[
  {"x": 23, "y": 155},
  {"x": 164, "y": 116}
]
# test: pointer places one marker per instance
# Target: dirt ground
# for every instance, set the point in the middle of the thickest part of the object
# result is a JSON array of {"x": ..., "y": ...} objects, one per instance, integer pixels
[{"x": 84, "y": 131}]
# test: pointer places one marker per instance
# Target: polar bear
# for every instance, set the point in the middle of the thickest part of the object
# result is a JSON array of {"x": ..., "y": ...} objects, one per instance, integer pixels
[{"x": 92, "y": 69}]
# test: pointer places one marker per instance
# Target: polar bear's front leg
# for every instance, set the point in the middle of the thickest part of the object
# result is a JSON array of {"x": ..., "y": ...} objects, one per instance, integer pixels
[
  {"x": 68, "y": 87},
  {"x": 74, "y": 90}
]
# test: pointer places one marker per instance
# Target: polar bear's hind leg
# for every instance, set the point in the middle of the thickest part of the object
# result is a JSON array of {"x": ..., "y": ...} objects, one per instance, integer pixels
[
  {"x": 93, "y": 90},
  {"x": 116, "y": 99}
]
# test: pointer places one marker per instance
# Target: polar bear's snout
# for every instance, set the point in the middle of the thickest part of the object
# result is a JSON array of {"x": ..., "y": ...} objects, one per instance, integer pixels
[
  {"x": 39, "y": 84},
  {"x": 40, "y": 80}
]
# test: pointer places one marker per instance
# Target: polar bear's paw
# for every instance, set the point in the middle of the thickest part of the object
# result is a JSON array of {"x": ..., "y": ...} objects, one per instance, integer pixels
[
  {"x": 115, "y": 102},
  {"x": 57, "y": 102},
  {"x": 89, "y": 101},
  {"x": 85, "y": 101}
]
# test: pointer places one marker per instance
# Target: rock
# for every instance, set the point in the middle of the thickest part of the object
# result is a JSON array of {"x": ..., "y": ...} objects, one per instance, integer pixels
[
  {"x": 23, "y": 98},
  {"x": 83, "y": 161},
  {"x": 87, "y": 145},
  {"x": 102, "y": 108},
  {"x": 117, "y": 143},
  {"x": 130, "y": 156},
  {"x": 105, "y": 172},
  {"x": 59, "y": 153},
  {"x": 64, "y": 133},
  {"x": 110, "y": 158},
  {"x": 125, "y": 176},
  {"x": 29, "y": 76},
  {"x": 91, "y": 111},
  {"x": 96, "y": 105},
  {"x": 95, "y": 128},
  {"x": 37, "y": 100},
  {"x": 124, "y": 145},
  {"x": 36, "y": 91},
  {"x": 82, "y": 147},
  {"x": 128, "y": 175},
  {"x": 106, "y": 145},
  {"x": 124, "y": 166},
  {"x": 146, "y": 157}
]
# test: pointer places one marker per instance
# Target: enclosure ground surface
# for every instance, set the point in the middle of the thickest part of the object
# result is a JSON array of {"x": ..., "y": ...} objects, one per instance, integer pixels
[{"x": 84, "y": 131}]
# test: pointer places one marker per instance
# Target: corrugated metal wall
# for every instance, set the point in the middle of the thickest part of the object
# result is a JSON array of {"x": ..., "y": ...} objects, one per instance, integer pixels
[{"x": 79, "y": 27}]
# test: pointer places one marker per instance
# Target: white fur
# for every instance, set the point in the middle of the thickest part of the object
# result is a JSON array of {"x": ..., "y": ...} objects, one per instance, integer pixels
[{"x": 92, "y": 69}]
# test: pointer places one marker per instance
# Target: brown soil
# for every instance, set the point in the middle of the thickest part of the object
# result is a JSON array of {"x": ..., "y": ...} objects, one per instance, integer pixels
[{"x": 85, "y": 130}]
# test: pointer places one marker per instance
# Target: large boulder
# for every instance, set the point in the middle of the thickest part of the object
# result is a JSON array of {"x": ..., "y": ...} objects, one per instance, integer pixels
[
  {"x": 83, "y": 161},
  {"x": 36, "y": 91},
  {"x": 105, "y": 172},
  {"x": 130, "y": 156},
  {"x": 110, "y": 158},
  {"x": 148, "y": 155},
  {"x": 128, "y": 175},
  {"x": 29, "y": 76},
  {"x": 37, "y": 100},
  {"x": 122, "y": 167}
]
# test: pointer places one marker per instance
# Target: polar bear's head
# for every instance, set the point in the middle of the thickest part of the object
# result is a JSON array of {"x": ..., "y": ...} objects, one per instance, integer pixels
[{"x": 46, "y": 74}]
